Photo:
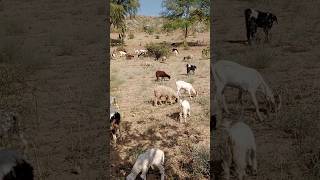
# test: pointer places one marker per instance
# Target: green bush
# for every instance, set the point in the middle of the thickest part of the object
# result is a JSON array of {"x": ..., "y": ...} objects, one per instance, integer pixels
[{"x": 158, "y": 50}]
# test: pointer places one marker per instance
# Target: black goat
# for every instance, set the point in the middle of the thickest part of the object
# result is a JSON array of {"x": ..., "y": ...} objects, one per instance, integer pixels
[
  {"x": 255, "y": 19},
  {"x": 114, "y": 123},
  {"x": 14, "y": 167}
]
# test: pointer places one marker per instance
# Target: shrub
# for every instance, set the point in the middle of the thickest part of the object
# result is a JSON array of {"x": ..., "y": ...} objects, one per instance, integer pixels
[
  {"x": 157, "y": 37},
  {"x": 158, "y": 49},
  {"x": 149, "y": 29}
]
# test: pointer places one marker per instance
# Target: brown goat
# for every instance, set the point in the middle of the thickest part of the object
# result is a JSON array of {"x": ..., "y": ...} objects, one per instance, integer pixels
[
  {"x": 129, "y": 56},
  {"x": 162, "y": 75}
]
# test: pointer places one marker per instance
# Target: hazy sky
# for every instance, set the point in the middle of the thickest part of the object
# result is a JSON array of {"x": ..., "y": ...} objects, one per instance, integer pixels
[{"x": 150, "y": 7}]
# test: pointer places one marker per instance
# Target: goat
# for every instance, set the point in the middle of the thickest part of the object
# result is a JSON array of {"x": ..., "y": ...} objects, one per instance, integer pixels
[
  {"x": 152, "y": 157},
  {"x": 189, "y": 57},
  {"x": 14, "y": 167},
  {"x": 240, "y": 150},
  {"x": 129, "y": 56},
  {"x": 186, "y": 86},
  {"x": 115, "y": 118},
  {"x": 184, "y": 110},
  {"x": 255, "y": 19},
  {"x": 122, "y": 53},
  {"x": 175, "y": 51},
  {"x": 191, "y": 67},
  {"x": 164, "y": 91},
  {"x": 231, "y": 74},
  {"x": 162, "y": 75}
]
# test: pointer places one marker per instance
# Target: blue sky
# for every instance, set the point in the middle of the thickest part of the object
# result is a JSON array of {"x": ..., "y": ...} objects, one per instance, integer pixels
[{"x": 150, "y": 7}]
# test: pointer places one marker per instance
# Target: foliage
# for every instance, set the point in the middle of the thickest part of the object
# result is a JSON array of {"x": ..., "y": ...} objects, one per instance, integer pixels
[
  {"x": 184, "y": 13},
  {"x": 158, "y": 49}
]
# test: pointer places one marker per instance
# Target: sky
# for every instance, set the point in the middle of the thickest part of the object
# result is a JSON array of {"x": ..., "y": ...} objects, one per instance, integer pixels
[{"x": 150, "y": 7}]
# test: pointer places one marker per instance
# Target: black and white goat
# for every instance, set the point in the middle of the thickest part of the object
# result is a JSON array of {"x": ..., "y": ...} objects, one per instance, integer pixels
[
  {"x": 255, "y": 19},
  {"x": 115, "y": 123},
  {"x": 191, "y": 67},
  {"x": 175, "y": 51},
  {"x": 14, "y": 167}
]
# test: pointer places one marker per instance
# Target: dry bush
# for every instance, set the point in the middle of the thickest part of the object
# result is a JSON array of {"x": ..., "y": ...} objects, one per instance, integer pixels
[
  {"x": 158, "y": 50},
  {"x": 199, "y": 166}
]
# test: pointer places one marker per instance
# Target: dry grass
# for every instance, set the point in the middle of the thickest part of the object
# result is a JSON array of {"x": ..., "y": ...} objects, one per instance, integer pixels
[{"x": 146, "y": 126}]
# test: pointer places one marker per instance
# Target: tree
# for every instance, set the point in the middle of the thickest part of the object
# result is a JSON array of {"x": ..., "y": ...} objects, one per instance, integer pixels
[
  {"x": 119, "y": 9},
  {"x": 184, "y": 13}
]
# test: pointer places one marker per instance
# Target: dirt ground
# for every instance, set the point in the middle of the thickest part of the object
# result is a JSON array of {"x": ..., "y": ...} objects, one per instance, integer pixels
[
  {"x": 59, "y": 47},
  {"x": 287, "y": 143},
  {"x": 145, "y": 126}
]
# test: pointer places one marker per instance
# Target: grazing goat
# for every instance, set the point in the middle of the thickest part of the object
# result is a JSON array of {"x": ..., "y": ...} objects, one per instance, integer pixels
[
  {"x": 240, "y": 148},
  {"x": 14, "y": 167},
  {"x": 186, "y": 86},
  {"x": 164, "y": 91},
  {"x": 129, "y": 56},
  {"x": 162, "y": 75},
  {"x": 122, "y": 53},
  {"x": 189, "y": 57},
  {"x": 184, "y": 110},
  {"x": 141, "y": 52},
  {"x": 231, "y": 74},
  {"x": 115, "y": 118},
  {"x": 164, "y": 58},
  {"x": 152, "y": 157},
  {"x": 175, "y": 51},
  {"x": 255, "y": 19},
  {"x": 191, "y": 67}
]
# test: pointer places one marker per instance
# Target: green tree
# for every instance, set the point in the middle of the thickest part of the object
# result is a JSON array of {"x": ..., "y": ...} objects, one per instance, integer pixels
[
  {"x": 184, "y": 13},
  {"x": 119, "y": 9}
]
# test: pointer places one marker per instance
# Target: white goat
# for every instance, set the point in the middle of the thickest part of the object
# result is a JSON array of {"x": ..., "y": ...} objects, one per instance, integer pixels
[
  {"x": 184, "y": 110},
  {"x": 152, "y": 157},
  {"x": 122, "y": 53},
  {"x": 186, "y": 86},
  {"x": 240, "y": 149},
  {"x": 227, "y": 73}
]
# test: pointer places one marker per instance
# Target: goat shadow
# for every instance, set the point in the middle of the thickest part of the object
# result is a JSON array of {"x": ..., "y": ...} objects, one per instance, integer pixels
[
  {"x": 174, "y": 116},
  {"x": 244, "y": 42}
]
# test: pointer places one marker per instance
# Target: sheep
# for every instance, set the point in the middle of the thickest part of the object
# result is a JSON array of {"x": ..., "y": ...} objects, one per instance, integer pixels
[
  {"x": 162, "y": 75},
  {"x": 191, "y": 67},
  {"x": 231, "y": 74},
  {"x": 175, "y": 51},
  {"x": 164, "y": 91},
  {"x": 14, "y": 167},
  {"x": 240, "y": 150},
  {"x": 186, "y": 86},
  {"x": 115, "y": 119},
  {"x": 184, "y": 110},
  {"x": 255, "y": 19},
  {"x": 152, "y": 157}
]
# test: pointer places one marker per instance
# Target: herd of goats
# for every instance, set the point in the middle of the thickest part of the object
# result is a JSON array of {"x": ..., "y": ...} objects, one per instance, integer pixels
[{"x": 241, "y": 146}]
